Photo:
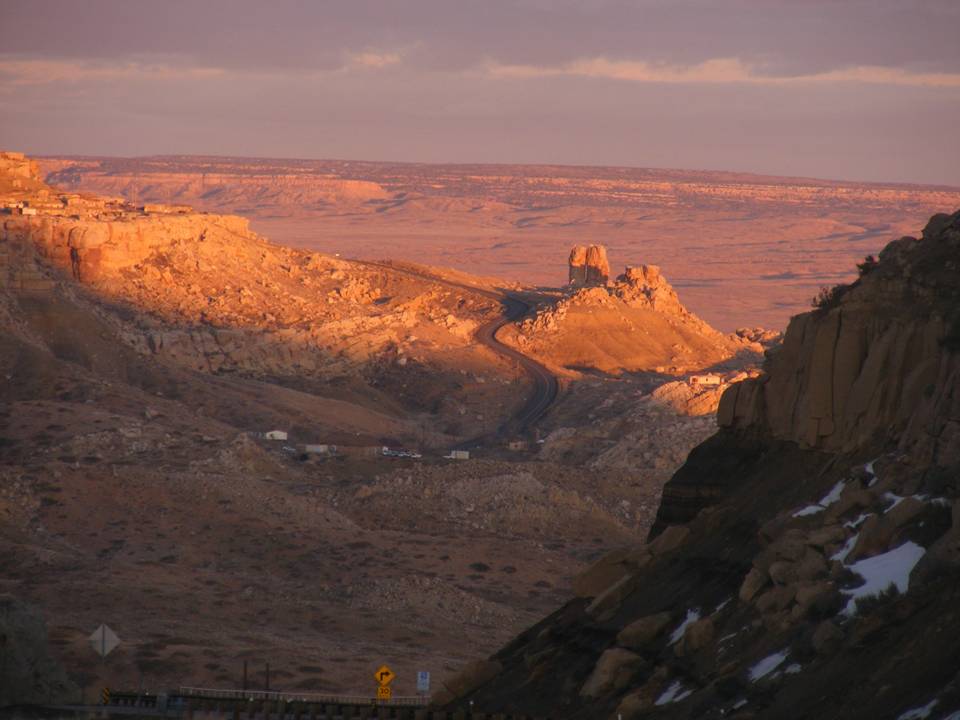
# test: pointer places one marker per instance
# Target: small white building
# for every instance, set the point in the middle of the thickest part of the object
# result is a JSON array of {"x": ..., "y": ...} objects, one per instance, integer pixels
[
  {"x": 710, "y": 379},
  {"x": 458, "y": 455},
  {"x": 275, "y": 435},
  {"x": 320, "y": 449}
]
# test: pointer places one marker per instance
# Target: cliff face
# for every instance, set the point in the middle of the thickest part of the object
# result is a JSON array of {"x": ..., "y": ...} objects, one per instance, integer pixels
[
  {"x": 588, "y": 266},
  {"x": 871, "y": 365},
  {"x": 91, "y": 249},
  {"x": 204, "y": 291},
  {"x": 806, "y": 558}
]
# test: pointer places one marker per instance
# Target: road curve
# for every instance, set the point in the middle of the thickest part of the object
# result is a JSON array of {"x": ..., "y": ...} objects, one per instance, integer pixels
[{"x": 545, "y": 384}]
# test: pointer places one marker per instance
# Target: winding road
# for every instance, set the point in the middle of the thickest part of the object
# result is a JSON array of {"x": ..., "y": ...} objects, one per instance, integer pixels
[{"x": 545, "y": 384}]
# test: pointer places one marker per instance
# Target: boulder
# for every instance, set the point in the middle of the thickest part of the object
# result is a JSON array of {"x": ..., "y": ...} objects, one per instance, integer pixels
[
  {"x": 643, "y": 631},
  {"x": 698, "y": 635},
  {"x": 669, "y": 540},
  {"x": 613, "y": 671},
  {"x": 906, "y": 511},
  {"x": 775, "y": 599},
  {"x": 875, "y": 536},
  {"x": 609, "y": 601},
  {"x": 783, "y": 572},
  {"x": 827, "y": 535},
  {"x": 753, "y": 583},
  {"x": 812, "y": 567},
  {"x": 603, "y": 573}
]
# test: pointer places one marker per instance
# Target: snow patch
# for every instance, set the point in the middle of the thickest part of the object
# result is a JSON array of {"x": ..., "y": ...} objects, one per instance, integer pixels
[
  {"x": 882, "y": 571},
  {"x": 674, "y": 693},
  {"x": 897, "y": 499},
  {"x": 826, "y": 501},
  {"x": 855, "y": 523},
  {"x": 692, "y": 616},
  {"x": 847, "y": 548},
  {"x": 919, "y": 713},
  {"x": 834, "y": 495},
  {"x": 767, "y": 666},
  {"x": 793, "y": 669}
]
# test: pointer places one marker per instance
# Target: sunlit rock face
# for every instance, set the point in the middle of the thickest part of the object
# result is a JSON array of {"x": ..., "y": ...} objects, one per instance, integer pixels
[{"x": 589, "y": 266}]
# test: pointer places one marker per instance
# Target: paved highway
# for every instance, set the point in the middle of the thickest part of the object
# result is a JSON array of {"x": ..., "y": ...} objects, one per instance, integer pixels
[{"x": 545, "y": 384}]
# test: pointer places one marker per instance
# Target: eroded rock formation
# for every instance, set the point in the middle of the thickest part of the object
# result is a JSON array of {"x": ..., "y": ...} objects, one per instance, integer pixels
[
  {"x": 871, "y": 363},
  {"x": 588, "y": 266},
  {"x": 822, "y": 519}
]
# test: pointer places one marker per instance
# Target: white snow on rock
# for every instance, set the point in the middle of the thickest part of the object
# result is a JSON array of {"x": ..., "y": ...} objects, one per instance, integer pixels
[
  {"x": 847, "y": 548},
  {"x": 792, "y": 669},
  {"x": 692, "y": 616},
  {"x": 919, "y": 713},
  {"x": 767, "y": 666},
  {"x": 674, "y": 693},
  {"x": 873, "y": 474},
  {"x": 826, "y": 501},
  {"x": 882, "y": 571},
  {"x": 855, "y": 523}
]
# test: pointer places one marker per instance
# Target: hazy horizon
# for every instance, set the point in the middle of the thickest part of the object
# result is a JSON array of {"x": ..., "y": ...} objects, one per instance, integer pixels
[
  {"x": 858, "y": 91},
  {"x": 481, "y": 163}
]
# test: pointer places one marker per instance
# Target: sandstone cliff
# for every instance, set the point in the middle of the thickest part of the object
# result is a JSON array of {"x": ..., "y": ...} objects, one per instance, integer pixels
[
  {"x": 870, "y": 364},
  {"x": 806, "y": 557},
  {"x": 205, "y": 293},
  {"x": 588, "y": 266}
]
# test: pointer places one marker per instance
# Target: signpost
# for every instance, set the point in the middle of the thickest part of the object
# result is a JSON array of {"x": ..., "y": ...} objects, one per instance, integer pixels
[
  {"x": 384, "y": 676},
  {"x": 423, "y": 682},
  {"x": 104, "y": 640}
]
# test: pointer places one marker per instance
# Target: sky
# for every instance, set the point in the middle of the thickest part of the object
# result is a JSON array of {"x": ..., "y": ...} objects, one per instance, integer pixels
[{"x": 844, "y": 89}]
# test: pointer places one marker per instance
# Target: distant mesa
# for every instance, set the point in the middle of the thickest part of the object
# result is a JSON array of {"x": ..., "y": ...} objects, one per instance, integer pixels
[{"x": 589, "y": 266}]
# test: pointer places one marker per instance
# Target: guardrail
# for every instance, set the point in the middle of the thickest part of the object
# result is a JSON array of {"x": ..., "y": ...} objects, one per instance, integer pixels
[{"x": 219, "y": 694}]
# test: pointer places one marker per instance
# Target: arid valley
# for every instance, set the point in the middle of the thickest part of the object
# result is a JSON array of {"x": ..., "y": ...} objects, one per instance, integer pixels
[
  {"x": 743, "y": 250},
  {"x": 449, "y": 360},
  {"x": 198, "y": 423}
]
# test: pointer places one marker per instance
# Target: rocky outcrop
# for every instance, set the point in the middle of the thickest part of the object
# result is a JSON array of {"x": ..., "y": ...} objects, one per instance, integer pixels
[
  {"x": 588, "y": 266},
  {"x": 90, "y": 249},
  {"x": 645, "y": 285},
  {"x": 205, "y": 292},
  {"x": 803, "y": 551},
  {"x": 636, "y": 324},
  {"x": 871, "y": 365},
  {"x": 27, "y": 672},
  {"x": 18, "y": 169}
]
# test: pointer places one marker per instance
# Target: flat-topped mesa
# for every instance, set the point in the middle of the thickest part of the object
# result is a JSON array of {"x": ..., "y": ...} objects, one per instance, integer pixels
[
  {"x": 91, "y": 238},
  {"x": 589, "y": 266}
]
